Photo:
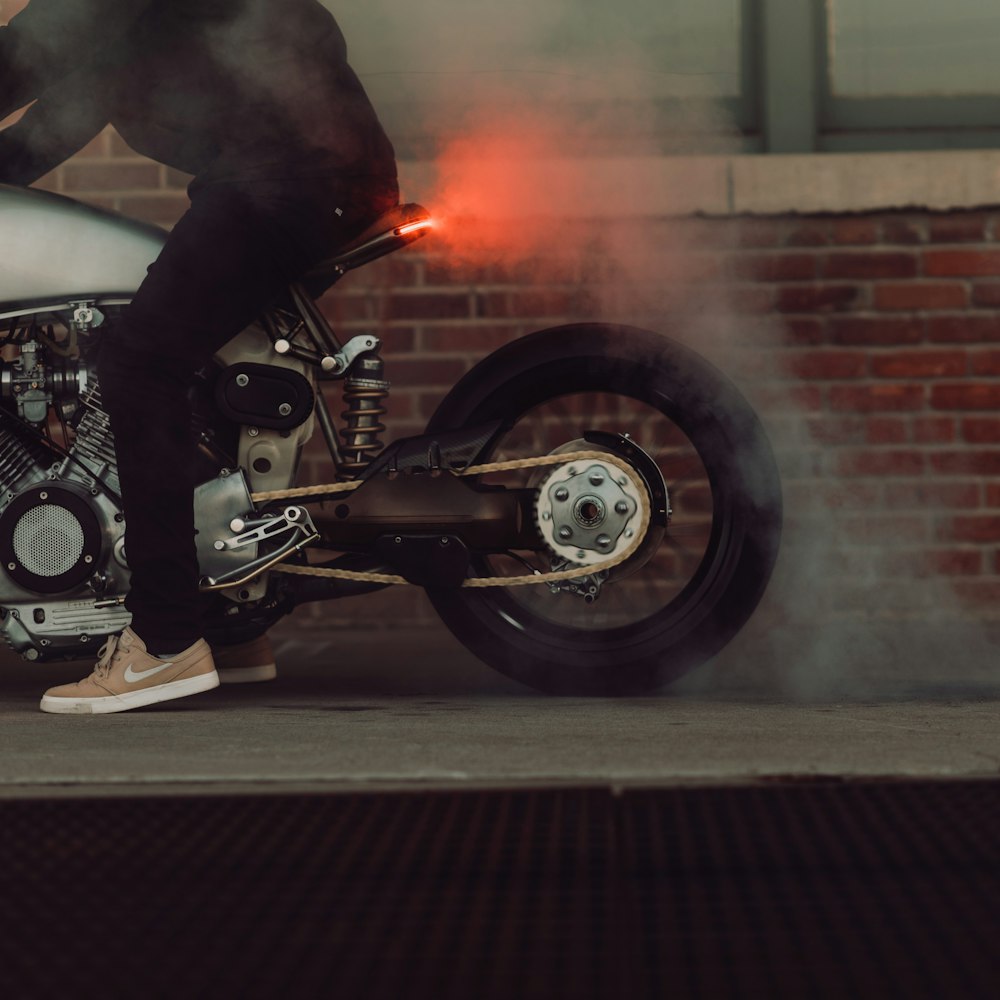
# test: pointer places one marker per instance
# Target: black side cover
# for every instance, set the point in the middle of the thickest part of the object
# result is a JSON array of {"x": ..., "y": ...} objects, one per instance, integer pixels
[
  {"x": 449, "y": 450},
  {"x": 264, "y": 396}
]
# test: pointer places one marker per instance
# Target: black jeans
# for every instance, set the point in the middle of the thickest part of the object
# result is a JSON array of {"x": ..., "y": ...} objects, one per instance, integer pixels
[{"x": 235, "y": 250}]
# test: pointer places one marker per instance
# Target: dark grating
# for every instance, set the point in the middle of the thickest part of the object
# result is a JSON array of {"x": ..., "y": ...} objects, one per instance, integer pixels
[{"x": 822, "y": 890}]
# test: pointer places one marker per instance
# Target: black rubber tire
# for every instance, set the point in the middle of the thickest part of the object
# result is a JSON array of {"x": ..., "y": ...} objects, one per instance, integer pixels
[{"x": 745, "y": 530}]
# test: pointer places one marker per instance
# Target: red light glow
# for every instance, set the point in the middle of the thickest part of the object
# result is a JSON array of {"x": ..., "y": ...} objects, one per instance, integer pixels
[{"x": 415, "y": 227}]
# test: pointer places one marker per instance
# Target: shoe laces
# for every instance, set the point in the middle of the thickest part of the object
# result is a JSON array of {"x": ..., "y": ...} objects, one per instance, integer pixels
[{"x": 107, "y": 654}]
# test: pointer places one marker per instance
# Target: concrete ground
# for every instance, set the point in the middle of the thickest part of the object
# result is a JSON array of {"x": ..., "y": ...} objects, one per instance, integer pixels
[{"x": 390, "y": 709}]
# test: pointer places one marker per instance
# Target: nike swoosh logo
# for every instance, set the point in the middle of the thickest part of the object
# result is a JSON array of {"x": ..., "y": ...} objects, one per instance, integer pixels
[{"x": 132, "y": 675}]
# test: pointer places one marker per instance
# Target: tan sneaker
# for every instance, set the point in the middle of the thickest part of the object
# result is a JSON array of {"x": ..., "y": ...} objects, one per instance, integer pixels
[
  {"x": 246, "y": 662},
  {"x": 126, "y": 676}
]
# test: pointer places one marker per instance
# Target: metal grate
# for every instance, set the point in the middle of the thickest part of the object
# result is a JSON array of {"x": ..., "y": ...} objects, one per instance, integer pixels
[
  {"x": 48, "y": 540},
  {"x": 813, "y": 891}
]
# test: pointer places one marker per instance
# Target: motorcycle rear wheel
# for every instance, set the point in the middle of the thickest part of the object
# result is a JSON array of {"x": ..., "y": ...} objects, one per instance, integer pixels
[{"x": 659, "y": 619}]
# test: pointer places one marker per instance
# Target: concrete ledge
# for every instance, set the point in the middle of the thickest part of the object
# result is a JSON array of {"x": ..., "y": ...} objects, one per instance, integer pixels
[{"x": 731, "y": 185}]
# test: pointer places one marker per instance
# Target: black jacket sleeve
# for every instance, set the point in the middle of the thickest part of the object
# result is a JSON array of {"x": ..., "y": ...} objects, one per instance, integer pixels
[
  {"x": 51, "y": 39},
  {"x": 60, "y": 123}
]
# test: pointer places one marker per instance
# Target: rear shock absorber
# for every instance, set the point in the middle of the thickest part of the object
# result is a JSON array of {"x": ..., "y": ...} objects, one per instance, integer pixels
[{"x": 364, "y": 391}]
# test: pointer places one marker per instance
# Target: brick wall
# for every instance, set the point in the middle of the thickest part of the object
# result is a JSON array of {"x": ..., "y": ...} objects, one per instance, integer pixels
[{"x": 869, "y": 343}]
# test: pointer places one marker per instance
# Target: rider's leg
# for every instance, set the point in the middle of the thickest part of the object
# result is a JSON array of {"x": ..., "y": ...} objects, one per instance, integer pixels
[{"x": 226, "y": 260}]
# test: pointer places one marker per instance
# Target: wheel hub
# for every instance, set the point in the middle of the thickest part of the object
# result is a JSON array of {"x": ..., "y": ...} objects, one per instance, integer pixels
[{"x": 586, "y": 512}]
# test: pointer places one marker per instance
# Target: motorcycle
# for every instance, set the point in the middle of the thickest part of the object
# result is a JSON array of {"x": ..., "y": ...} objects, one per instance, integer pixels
[{"x": 593, "y": 509}]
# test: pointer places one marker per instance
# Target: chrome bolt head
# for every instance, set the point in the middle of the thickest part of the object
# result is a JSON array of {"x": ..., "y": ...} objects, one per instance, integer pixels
[
  {"x": 12, "y": 566},
  {"x": 237, "y": 525},
  {"x": 242, "y": 380},
  {"x": 546, "y": 515},
  {"x": 88, "y": 559},
  {"x": 621, "y": 507},
  {"x": 253, "y": 431},
  {"x": 580, "y": 554},
  {"x": 219, "y": 545},
  {"x": 43, "y": 495},
  {"x": 603, "y": 541},
  {"x": 629, "y": 533},
  {"x": 285, "y": 409},
  {"x": 562, "y": 494},
  {"x": 565, "y": 533},
  {"x": 597, "y": 479}
]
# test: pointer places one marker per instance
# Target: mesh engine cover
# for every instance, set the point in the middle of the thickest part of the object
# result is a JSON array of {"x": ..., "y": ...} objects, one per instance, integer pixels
[{"x": 48, "y": 540}]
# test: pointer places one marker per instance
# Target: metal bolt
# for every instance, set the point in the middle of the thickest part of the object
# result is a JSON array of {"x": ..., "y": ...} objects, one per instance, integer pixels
[
  {"x": 285, "y": 409},
  {"x": 43, "y": 495},
  {"x": 546, "y": 515},
  {"x": 597, "y": 479},
  {"x": 282, "y": 346},
  {"x": 445, "y": 541},
  {"x": 621, "y": 507},
  {"x": 219, "y": 545},
  {"x": 242, "y": 380},
  {"x": 31, "y": 653},
  {"x": 562, "y": 493},
  {"x": 629, "y": 533},
  {"x": 88, "y": 559},
  {"x": 565, "y": 532},
  {"x": 603, "y": 541},
  {"x": 580, "y": 554},
  {"x": 12, "y": 566},
  {"x": 253, "y": 431},
  {"x": 398, "y": 540},
  {"x": 237, "y": 525},
  {"x": 572, "y": 470}
]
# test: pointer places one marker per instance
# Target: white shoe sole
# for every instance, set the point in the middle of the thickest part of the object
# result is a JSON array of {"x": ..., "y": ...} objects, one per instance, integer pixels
[
  {"x": 246, "y": 675},
  {"x": 130, "y": 699}
]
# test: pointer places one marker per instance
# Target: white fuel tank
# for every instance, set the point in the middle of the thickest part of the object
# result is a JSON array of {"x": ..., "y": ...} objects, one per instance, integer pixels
[{"x": 53, "y": 248}]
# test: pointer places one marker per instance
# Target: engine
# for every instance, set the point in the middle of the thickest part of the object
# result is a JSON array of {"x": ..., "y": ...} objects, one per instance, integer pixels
[{"x": 61, "y": 526}]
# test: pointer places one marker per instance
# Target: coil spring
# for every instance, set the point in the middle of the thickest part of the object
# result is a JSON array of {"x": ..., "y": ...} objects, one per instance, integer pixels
[{"x": 362, "y": 428}]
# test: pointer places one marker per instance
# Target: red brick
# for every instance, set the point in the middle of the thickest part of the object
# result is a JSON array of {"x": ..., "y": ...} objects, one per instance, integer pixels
[
  {"x": 965, "y": 397},
  {"x": 919, "y": 364},
  {"x": 984, "y": 362},
  {"x": 775, "y": 266},
  {"x": 961, "y": 263},
  {"x": 963, "y": 329},
  {"x": 856, "y": 231},
  {"x": 408, "y": 372},
  {"x": 873, "y": 398},
  {"x": 967, "y": 227},
  {"x": 434, "y": 305},
  {"x": 111, "y": 176},
  {"x": 993, "y": 494},
  {"x": 869, "y": 266},
  {"x": 911, "y": 295},
  {"x": 831, "y": 495},
  {"x": 474, "y": 338},
  {"x": 877, "y": 462},
  {"x": 825, "y": 364},
  {"x": 875, "y": 331},
  {"x": 164, "y": 209},
  {"x": 933, "y": 430},
  {"x": 883, "y": 530},
  {"x": 886, "y": 430},
  {"x": 759, "y": 233},
  {"x": 955, "y": 562},
  {"x": 837, "y": 430},
  {"x": 986, "y": 294},
  {"x": 983, "y": 594},
  {"x": 742, "y": 299},
  {"x": 903, "y": 231},
  {"x": 966, "y": 463},
  {"x": 813, "y": 233},
  {"x": 817, "y": 298},
  {"x": 969, "y": 528},
  {"x": 804, "y": 398},
  {"x": 931, "y": 495},
  {"x": 803, "y": 332},
  {"x": 981, "y": 430},
  {"x": 934, "y": 562}
]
